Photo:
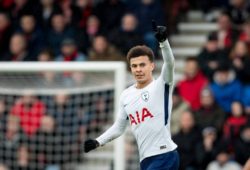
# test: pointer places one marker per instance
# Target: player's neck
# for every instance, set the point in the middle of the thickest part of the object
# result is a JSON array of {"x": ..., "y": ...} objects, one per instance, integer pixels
[{"x": 141, "y": 85}]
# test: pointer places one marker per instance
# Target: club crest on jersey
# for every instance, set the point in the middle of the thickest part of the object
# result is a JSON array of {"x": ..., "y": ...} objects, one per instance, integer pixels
[{"x": 145, "y": 96}]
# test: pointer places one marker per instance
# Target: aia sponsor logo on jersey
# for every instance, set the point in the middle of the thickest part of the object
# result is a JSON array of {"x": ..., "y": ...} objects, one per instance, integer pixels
[
  {"x": 145, "y": 96},
  {"x": 140, "y": 117}
]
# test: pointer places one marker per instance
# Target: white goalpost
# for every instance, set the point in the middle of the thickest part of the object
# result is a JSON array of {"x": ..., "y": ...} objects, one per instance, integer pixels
[{"x": 85, "y": 81}]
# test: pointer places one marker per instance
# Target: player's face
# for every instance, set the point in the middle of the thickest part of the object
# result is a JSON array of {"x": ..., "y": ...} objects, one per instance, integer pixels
[{"x": 142, "y": 68}]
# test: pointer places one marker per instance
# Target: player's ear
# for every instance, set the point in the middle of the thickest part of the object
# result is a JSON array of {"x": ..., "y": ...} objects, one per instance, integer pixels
[{"x": 152, "y": 66}]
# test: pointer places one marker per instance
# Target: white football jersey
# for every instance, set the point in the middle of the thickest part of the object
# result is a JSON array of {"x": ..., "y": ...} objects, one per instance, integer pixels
[{"x": 148, "y": 111}]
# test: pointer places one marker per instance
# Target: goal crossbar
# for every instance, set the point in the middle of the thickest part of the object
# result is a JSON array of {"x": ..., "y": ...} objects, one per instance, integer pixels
[{"x": 61, "y": 66}]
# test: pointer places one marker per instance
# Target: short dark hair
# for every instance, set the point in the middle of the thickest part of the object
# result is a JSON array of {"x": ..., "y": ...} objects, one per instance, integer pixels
[
  {"x": 49, "y": 52},
  {"x": 223, "y": 68},
  {"x": 140, "y": 50},
  {"x": 191, "y": 58}
]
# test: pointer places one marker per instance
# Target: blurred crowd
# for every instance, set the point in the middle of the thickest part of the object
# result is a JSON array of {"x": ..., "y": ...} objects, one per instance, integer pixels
[
  {"x": 211, "y": 104},
  {"x": 76, "y": 30},
  {"x": 211, "y": 109},
  {"x": 47, "y": 132}
]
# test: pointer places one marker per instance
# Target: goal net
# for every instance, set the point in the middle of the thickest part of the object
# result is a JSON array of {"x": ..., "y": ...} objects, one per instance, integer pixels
[{"x": 47, "y": 111}]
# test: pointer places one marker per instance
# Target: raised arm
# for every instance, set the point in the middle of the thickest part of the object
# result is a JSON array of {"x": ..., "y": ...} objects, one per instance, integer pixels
[
  {"x": 113, "y": 132},
  {"x": 167, "y": 72}
]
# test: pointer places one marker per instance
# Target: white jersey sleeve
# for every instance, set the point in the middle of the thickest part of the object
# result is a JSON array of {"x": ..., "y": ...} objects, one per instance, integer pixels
[
  {"x": 167, "y": 72},
  {"x": 117, "y": 128}
]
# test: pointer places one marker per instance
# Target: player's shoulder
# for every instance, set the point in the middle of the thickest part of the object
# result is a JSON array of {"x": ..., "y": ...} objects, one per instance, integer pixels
[{"x": 127, "y": 91}]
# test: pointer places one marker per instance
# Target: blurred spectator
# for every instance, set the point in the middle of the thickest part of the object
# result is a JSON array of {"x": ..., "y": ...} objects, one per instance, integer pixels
[
  {"x": 18, "y": 49},
  {"x": 226, "y": 88},
  {"x": 103, "y": 51},
  {"x": 97, "y": 115},
  {"x": 77, "y": 12},
  {"x": 240, "y": 60},
  {"x": 187, "y": 139},
  {"x": 146, "y": 11},
  {"x": 86, "y": 9},
  {"x": 69, "y": 11},
  {"x": 210, "y": 114},
  {"x": 246, "y": 99},
  {"x": 242, "y": 146},
  {"x": 69, "y": 51},
  {"x": 130, "y": 154},
  {"x": 191, "y": 86},
  {"x": 3, "y": 167},
  {"x": 127, "y": 35},
  {"x": 46, "y": 55},
  {"x": 226, "y": 34},
  {"x": 68, "y": 124},
  {"x": 5, "y": 32},
  {"x": 3, "y": 116},
  {"x": 59, "y": 31},
  {"x": 44, "y": 10},
  {"x": 73, "y": 11},
  {"x": 245, "y": 34},
  {"x": 24, "y": 159},
  {"x": 239, "y": 11},
  {"x": 179, "y": 106},
  {"x": 6, "y": 4},
  {"x": 234, "y": 123},
  {"x": 85, "y": 37},
  {"x": 30, "y": 110},
  {"x": 207, "y": 6},
  {"x": 177, "y": 10},
  {"x": 206, "y": 149},
  {"x": 33, "y": 34},
  {"x": 78, "y": 78},
  {"x": 211, "y": 56},
  {"x": 110, "y": 13},
  {"x": 13, "y": 138},
  {"x": 18, "y": 8},
  {"x": 247, "y": 165},
  {"x": 46, "y": 145},
  {"x": 223, "y": 162}
]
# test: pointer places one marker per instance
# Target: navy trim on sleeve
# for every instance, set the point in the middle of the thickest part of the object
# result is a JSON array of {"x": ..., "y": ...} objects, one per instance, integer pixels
[{"x": 166, "y": 98}]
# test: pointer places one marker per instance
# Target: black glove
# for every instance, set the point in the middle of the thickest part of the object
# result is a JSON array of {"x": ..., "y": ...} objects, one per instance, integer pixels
[
  {"x": 90, "y": 144},
  {"x": 160, "y": 32}
]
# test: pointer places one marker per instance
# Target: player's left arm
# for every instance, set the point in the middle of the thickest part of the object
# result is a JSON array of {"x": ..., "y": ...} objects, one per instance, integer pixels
[
  {"x": 167, "y": 72},
  {"x": 112, "y": 133}
]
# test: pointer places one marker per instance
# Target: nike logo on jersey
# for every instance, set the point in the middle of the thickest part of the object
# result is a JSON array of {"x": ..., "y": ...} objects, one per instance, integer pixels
[{"x": 140, "y": 116}]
